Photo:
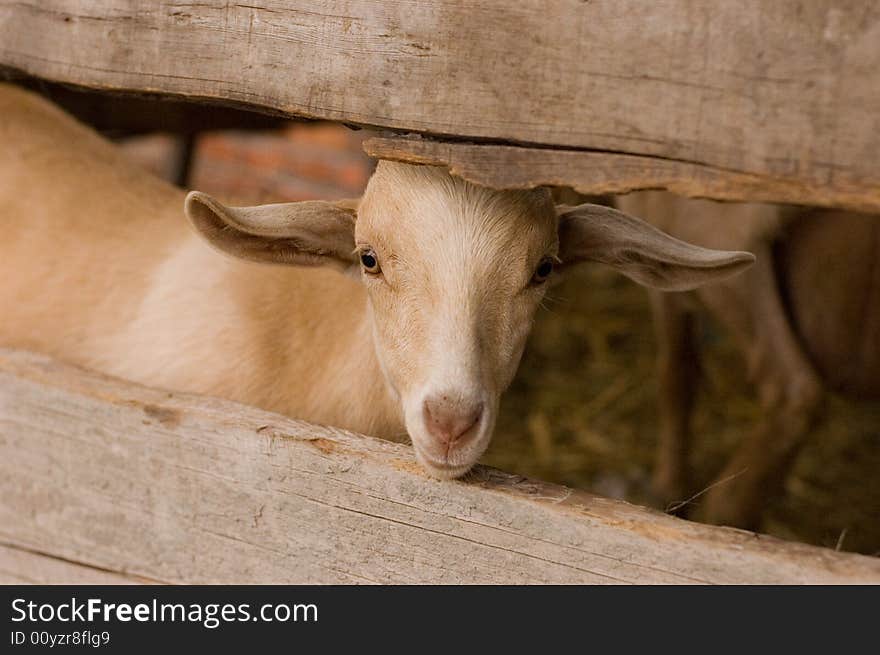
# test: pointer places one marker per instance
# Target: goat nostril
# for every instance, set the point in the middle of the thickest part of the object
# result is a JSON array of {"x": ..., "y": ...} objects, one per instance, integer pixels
[{"x": 447, "y": 421}]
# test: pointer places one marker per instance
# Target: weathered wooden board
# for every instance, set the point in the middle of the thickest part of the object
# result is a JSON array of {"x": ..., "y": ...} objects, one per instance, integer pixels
[
  {"x": 189, "y": 489},
  {"x": 786, "y": 90},
  {"x": 18, "y": 566},
  {"x": 520, "y": 167}
]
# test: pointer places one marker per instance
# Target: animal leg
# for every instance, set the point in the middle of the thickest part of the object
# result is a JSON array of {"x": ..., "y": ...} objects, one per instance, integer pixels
[
  {"x": 678, "y": 373},
  {"x": 789, "y": 389}
]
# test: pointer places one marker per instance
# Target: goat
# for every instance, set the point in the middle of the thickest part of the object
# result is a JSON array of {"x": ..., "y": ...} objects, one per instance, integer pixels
[
  {"x": 806, "y": 317},
  {"x": 403, "y": 313}
]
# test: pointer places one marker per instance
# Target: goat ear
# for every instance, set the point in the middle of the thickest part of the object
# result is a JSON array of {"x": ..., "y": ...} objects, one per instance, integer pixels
[
  {"x": 640, "y": 251},
  {"x": 311, "y": 233}
]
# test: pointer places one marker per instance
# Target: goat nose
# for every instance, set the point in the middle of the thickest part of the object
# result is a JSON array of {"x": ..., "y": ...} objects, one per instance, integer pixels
[{"x": 447, "y": 420}]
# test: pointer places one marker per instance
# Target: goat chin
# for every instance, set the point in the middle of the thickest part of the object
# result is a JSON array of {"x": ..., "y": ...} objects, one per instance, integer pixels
[{"x": 442, "y": 471}]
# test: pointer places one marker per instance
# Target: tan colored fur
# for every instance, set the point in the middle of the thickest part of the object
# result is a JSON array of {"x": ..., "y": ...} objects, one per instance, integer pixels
[{"x": 98, "y": 267}]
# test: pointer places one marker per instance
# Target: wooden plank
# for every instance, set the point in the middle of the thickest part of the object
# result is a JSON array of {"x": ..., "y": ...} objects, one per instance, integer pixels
[
  {"x": 191, "y": 489},
  {"x": 518, "y": 167},
  {"x": 785, "y": 89},
  {"x": 19, "y": 566}
]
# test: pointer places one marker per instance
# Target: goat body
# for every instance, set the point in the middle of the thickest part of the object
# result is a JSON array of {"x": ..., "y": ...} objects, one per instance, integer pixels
[
  {"x": 402, "y": 313},
  {"x": 806, "y": 317},
  {"x": 99, "y": 267}
]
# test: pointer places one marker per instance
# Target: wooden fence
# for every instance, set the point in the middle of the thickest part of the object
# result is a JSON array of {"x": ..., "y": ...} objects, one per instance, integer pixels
[
  {"x": 102, "y": 480},
  {"x": 752, "y": 100}
]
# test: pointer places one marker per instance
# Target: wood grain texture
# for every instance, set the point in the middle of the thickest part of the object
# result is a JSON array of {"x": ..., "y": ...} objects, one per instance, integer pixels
[
  {"x": 189, "y": 489},
  {"x": 518, "y": 167},
  {"x": 18, "y": 566},
  {"x": 785, "y": 89}
]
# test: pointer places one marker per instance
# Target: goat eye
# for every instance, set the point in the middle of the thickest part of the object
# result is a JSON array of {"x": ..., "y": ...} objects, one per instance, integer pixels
[
  {"x": 545, "y": 268},
  {"x": 369, "y": 262}
]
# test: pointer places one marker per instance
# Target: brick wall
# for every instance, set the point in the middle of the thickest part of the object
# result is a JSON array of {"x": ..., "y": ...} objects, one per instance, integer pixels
[{"x": 303, "y": 161}]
